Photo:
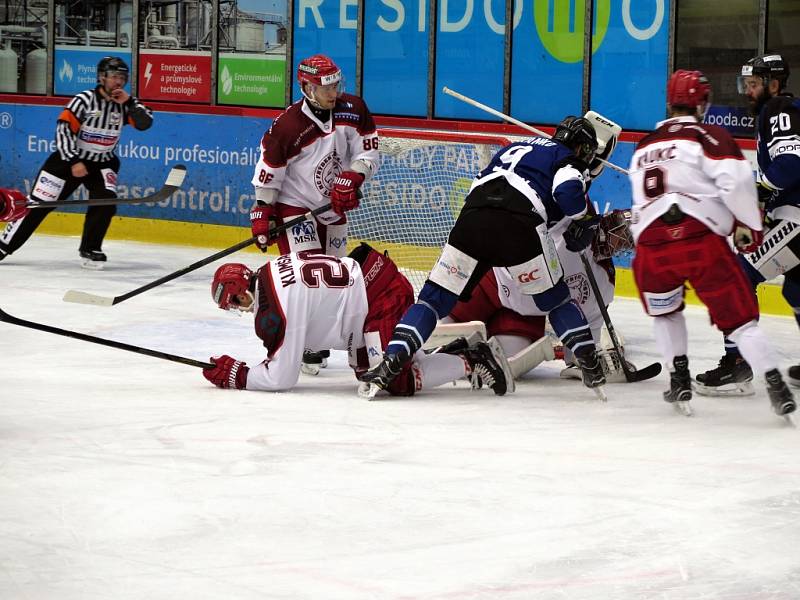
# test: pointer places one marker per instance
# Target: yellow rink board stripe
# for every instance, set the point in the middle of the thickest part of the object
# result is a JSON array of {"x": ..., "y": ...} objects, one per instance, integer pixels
[{"x": 222, "y": 236}]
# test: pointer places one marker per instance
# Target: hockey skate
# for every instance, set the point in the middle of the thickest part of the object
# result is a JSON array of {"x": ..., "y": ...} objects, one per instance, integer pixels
[
  {"x": 382, "y": 374},
  {"x": 612, "y": 368},
  {"x": 93, "y": 259},
  {"x": 592, "y": 372},
  {"x": 489, "y": 366},
  {"x": 780, "y": 396},
  {"x": 680, "y": 386},
  {"x": 314, "y": 361},
  {"x": 732, "y": 377},
  {"x": 794, "y": 375}
]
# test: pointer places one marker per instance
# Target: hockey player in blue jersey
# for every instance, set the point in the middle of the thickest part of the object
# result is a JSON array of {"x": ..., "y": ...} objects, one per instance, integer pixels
[
  {"x": 529, "y": 193},
  {"x": 763, "y": 81}
]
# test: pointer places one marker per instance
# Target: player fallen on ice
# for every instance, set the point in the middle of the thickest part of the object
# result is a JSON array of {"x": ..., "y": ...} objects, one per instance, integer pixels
[{"x": 312, "y": 300}]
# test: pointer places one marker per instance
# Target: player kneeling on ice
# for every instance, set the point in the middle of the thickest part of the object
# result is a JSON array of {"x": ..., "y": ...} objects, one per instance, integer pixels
[
  {"x": 527, "y": 189},
  {"x": 312, "y": 300},
  {"x": 692, "y": 188}
]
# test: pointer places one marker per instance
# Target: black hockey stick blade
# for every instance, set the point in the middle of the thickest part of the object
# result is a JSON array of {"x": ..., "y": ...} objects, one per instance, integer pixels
[
  {"x": 4, "y": 316},
  {"x": 174, "y": 181},
  {"x": 87, "y": 298},
  {"x": 631, "y": 375}
]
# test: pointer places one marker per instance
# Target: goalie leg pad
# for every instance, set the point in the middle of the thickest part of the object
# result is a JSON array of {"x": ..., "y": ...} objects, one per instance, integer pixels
[{"x": 530, "y": 357}]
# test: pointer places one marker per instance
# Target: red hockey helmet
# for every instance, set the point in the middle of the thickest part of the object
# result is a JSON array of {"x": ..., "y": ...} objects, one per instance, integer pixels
[
  {"x": 689, "y": 89},
  {"x": 319, "y": 70},
  {"x": 230, "y": 280}
]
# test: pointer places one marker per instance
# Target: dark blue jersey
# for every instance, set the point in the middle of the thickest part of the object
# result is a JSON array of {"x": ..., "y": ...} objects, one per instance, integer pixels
[
  {"x": 550, "y": 169},
  {"x": 778, "y": 148}
]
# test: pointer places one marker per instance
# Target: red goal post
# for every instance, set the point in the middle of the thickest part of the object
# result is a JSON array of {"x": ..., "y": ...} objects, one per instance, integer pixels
[{"x": 411, "y": 203}]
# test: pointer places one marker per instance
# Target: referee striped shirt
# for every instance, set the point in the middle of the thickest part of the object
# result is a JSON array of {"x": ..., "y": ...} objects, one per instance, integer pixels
[{"x": 89, "y": 127}]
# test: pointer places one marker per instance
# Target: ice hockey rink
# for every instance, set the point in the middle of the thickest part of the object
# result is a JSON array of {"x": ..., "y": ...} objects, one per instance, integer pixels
[{"x": 127, "y": 477}]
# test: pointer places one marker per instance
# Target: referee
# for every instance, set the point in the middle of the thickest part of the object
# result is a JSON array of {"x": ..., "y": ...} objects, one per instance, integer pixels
[{"x": 87, "y": 133}]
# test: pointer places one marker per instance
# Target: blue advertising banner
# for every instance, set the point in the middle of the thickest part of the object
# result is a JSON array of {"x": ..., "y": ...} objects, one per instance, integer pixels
[
  {"x": 220, "y": 163},
  {"x": 395, "y": 63},
  {"x": 76, "y": 67},
  {"x": 326, "y": 28},
  {"x": 547, "y": 55},
  {"x": 469, "y": 57},
  {"x": 629, "y": 65},
  {"x": 736, "y": 119}
]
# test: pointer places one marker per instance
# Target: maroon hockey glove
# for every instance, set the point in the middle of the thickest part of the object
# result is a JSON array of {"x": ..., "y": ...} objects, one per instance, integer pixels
[
  {"x": 227, "y": 372},
  {"x": 12, "y": 205},
  {"x": 261, "y": 217},
  {"x": 344, "y": 195},
  {"x": 746, "y": 240}
]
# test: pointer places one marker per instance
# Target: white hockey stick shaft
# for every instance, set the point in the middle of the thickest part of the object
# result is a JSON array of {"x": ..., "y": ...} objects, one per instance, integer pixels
[{"x": 514, "y": 121}]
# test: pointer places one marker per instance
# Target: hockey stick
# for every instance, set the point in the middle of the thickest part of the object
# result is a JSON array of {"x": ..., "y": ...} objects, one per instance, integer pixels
[
  {"x": 173, "y": 182},
  {"x": 516, "y": 122},
  {"x": 4, "y": 316},
  {"x": 631, "y": 375},
  {"x": 87, "y": 298}
]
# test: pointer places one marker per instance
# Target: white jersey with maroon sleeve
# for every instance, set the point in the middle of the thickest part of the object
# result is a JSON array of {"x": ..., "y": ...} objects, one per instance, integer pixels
[
  {"x": 305, "y": 300},
  {"x": 579, "y": 289},
  {"x": 700, "y": 168},
  {"x": 301, "y": 155}
]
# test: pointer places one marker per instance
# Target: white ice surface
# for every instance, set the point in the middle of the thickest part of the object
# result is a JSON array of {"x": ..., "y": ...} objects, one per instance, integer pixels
[{"x": 127, "y": 477}]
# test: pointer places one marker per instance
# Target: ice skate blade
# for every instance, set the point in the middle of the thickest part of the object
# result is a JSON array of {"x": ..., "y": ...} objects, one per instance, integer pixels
[
  {"x": 682, "y": 408},
  {"x": 789, "y": 421},
  {"x": 600, "y": 393},
  {"x": 744, "y": 388},
  {"x": 367, "y": 390},
  {"x": 93, "y": 265}
]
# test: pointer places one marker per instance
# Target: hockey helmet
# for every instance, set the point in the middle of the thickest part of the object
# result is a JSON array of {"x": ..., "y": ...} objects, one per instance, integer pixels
[
  {"x": 579, "y": 135},
  {"x": 766, "y": 66},
  {"x": 688, "y": 89},
  {"x": 112, "y": 64},
  {"x": 230, "y": 281},
  {"x": 319, "y": 70}
]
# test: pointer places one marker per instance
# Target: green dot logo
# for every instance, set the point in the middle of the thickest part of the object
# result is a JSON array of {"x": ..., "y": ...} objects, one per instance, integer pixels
[{"x": 561, "y": 30}]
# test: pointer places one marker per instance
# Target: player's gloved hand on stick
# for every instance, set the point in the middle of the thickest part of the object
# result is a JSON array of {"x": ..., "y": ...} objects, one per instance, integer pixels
[
  {"x": 12, "y": 205},
  {"x": 580, "y": 233},
  {"x": 344, "y": 195},
  {"x": 227, "y": 372},
  {"x": 262, "y": 216},
  {"x": 746, "y": 240}
]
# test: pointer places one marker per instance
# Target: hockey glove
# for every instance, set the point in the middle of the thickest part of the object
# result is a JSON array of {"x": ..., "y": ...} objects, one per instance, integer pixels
[
  {"x": 12, "y": 205},
  {"x": 227, "y": 372},
  {"x": 747, "y": 240},
  {"x": 262, "y": 217},
  {"x": 580, "y": 233},
  {"x": 344, "y": 195}
]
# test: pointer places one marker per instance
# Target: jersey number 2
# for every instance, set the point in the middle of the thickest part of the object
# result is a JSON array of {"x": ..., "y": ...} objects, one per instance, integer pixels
[{"x": 321, "y": 267}]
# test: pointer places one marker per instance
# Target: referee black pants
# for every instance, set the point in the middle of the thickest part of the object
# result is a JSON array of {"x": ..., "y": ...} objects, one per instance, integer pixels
[{"x": 98, "y": 218}]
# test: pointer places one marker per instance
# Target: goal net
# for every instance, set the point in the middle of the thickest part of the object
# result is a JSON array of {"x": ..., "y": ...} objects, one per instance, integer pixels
[{"x": 411, "y": 204}]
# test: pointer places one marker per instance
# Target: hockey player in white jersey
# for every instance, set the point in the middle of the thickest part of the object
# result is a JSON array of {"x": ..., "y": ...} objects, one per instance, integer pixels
[
  {"x": 308, "y": 299},
  {"x": 320, "y": 150},
  {"x": 692, "y": 188}
]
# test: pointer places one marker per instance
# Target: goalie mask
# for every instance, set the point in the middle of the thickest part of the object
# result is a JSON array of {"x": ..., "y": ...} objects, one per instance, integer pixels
[
  {"x": 614, "y": 236},
  {"x": 230, "y": 287},
  {"x": 319, "y": 71},
  {"x": 578, "y": 134}
]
